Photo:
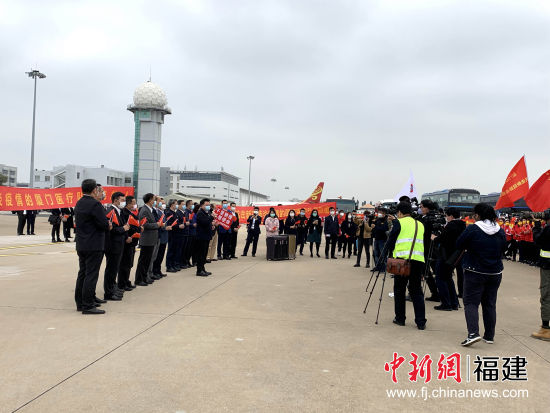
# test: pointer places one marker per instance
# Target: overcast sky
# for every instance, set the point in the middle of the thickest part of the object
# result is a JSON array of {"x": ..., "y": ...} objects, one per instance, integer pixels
[{"x": 352, "y": 93}]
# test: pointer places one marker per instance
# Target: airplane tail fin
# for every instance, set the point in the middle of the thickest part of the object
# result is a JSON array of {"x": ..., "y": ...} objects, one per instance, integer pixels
[{"x": 315, "y": 196}]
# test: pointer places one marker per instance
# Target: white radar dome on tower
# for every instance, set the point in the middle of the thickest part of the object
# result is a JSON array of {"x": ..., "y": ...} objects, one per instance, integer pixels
[{"x": 149, "y": 95}]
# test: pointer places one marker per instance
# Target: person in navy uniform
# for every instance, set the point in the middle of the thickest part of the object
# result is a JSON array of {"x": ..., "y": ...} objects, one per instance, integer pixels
[
  {"x": 235, "y": 225},
  {"x": 301, "y": 223},
  {"x": 68, "y": 222},
  {"x": 130, "y": 243},
  {"x": 253, "y": 229},
  {"x": 31, "y": 218},
  {"x": 331, "y": 228},
  {"x": 204, "y": 221},
  {"x": 91, "y": 225}
]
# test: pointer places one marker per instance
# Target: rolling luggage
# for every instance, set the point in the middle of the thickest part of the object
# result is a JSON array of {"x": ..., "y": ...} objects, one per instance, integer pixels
[{"x": 277, "y": 248}]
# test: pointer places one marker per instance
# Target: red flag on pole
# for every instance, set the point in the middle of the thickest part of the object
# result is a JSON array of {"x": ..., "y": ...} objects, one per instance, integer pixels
[
  {"x": 515, "y": 187},
  {"x": 538, "y": 198},
  {"x": 143, "y": 221},
  {"x": 112, "y": 217},
  {"x": 133, "y": 221}
]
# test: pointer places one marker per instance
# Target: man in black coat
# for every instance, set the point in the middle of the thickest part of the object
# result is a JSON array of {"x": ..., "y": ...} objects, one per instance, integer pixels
[
  {"x": 331, "y": 228},
  {"x": 204, "y": 235},
  {"x": 446, "y": 244},
  {"x": 235, "y": 225},
  {"x": 114, "y": 245},
  {"x": 147, "y": 241},
  {"x": 428, "y": 218},
  {"x": 21, "y": 219},
  {"x": 130, "y": 243},
  {"x": 253, "y": 228},
  {"x": 91, "y": 225},
  {"x": 68, "y": 222}
]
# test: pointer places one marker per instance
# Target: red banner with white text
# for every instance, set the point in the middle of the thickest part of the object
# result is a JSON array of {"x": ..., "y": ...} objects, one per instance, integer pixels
[
  {"x": 17, "y": 199},
  {"x": 283, "y": 210}
]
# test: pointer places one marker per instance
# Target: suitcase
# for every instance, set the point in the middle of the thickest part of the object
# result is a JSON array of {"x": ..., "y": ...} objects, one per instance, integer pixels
[
  {"x": 291, "y": 247},
  {"x": 277, "y": 248}
]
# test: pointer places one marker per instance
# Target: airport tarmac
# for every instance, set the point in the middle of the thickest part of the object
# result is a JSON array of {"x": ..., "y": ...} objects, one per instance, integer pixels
[{"x": 255, "y": 336}]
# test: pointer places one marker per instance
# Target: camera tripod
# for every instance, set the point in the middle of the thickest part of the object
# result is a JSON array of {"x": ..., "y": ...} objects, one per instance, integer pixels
[{"x": 378, "y": 270}]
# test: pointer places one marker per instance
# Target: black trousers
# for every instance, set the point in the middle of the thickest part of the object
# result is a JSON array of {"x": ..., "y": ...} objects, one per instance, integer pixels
[
  {"x": 157, "y": 265},
  {"x": 460, "y": 279},
  {"x": 330, "y": 242},
  {"x": 187, "y": 249},
  {"x": 348, "y": 244},
  {"x": 414, "y": 284},
  {"x": 21, "y": 219},
  {"x": 192, "y": 246},
  {"x": 364, "y": 243},
  {"x": 175, "y": 252},
  {"x": 445, "y": 284},
  {"x": 30, "y": 224},
  {"x": 89, "y": 263},
  {"x": 429, "y": 278},
  {"x": 233, "y": 243},
  {"x": 126, "y": 264},
  {"x": 301, "y": 238},
  {"x": 55, "y": 231},
  {"x": 251, "y": 238},
  {"x": 66, "y": 230},
  {"x": 144, "y": 260},
  {"x": 224, "y": 240},
  {"x": 201, "y": 251},
  {"x": 112, "y": 265},
  {"x": 481, "y": 289},
  {"x": 317, "y": 245}
]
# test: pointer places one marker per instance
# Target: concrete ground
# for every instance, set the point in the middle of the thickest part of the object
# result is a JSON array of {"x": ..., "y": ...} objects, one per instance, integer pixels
[{"x": 255, "y": 336}]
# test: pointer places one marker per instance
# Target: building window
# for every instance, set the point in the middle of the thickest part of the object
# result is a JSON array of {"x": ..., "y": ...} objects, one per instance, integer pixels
[
  {"x": 37, "y": 178},
  {"x": 127, "y": 180},
  {"x": 78, "y": 175},
  {"x": 47, "y": 178}
]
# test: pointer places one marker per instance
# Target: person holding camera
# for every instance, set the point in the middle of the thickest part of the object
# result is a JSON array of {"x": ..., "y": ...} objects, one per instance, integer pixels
[
  {"x": 447, "y": 257},
  {"x": 405, "y": 241},
  {"x": 542, "y": 240},
  {"x": 380, "y": 235},
  {"x": 484, "y": 244},
  {"x": 429, "y": 219}
]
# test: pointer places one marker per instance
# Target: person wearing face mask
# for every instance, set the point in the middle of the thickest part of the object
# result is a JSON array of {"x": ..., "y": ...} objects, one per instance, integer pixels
[
  {"x": 253, "y": 232},
  {"x": 380, "y": 235},
  {"x": 349, "y": 228},
  {"x": 158, "y": 215},
  {"x": 213, "y": 245},
  {"x": 128, "y": 209},
  {"x": 314, "y": 230},
  {"x": 204, "y": 221},
  {"x": 341, "y": 237},
  {"x": 281, "y": 223},
  {"x": 187, "y": 242},
  {"x": 91, "y": 226},
  {"x": 224, "y": 238},
  {"x": 114, "y": 244},
  {"x": 180, "y": 260},
  {"x": 364, "y": 238},
  {"x": 235, "y": 225},
  {"x": 271, "y": 224},
  {"x": 446, "y": 244},
  {"x": 147, "y": 241},
  {"x": 290, "y": 223},
  {"x": 301, "y": 230},
  {"x": 332, "y": 229},
  {"x": 163, "y": 241},
  {"x": 174, "y": 236}
]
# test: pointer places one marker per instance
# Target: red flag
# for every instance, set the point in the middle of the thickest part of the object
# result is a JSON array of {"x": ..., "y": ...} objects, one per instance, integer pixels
[
  {"x": 136, "y": 235},
  {"x": 143, "y": 221},
  {"x": 160, "y": 220},
  {"x": 515, "y": 187},
  {"x": 112, "y": 216},
  {"x": 133, "y": 221},
  {"x": 538, "y": 198}
]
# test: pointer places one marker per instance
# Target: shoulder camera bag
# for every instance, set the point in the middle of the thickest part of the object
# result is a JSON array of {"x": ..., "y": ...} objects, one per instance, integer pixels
[{"x": 400, "y": 266}]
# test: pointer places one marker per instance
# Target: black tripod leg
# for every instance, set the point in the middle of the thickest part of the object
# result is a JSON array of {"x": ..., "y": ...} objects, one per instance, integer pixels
[
  {"x": 381, "y": 294},
  {"x": 371, "y": 291},
  {"x": 371, "y": 276}
]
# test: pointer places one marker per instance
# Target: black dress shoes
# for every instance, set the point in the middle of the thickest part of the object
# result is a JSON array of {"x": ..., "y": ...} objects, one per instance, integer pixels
[
  {"x": 113, "y": 298},
  {"x": 128, "y": 289},
  {"x": 99, "y": 300},
  {"x": 203, "y": 274},
  {"x": 171, "y": 269},
  {"x": 93, "y": 311},
  {"x": 142, "y": 284},
  {"x": 233, "y": 257},
  {"x": 149, "y": 280},
  {"x": 399, "y": 323}
]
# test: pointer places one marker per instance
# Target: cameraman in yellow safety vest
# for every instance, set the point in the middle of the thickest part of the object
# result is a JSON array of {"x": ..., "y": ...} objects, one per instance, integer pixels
[{"x": 402, "y": 243}]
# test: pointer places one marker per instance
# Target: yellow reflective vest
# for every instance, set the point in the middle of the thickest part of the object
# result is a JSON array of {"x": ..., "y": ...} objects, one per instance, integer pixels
[
  {"x": 545, "y": 254},
  {"x": 405, "y": 240}
]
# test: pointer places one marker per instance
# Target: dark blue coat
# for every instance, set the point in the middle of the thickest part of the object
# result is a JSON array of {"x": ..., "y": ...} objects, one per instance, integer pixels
[
  {"x": 331, "y": 226},
  {"x": 483, "y": 252},
  {"x": 204, "y": 225}
]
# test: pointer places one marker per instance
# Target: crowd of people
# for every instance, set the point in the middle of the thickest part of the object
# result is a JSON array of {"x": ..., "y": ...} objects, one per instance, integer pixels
[{"x": 184, "y": 234}]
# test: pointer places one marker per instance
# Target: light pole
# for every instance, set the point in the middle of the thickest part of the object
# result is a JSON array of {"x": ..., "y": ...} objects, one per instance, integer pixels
[
  {"x": 250, "y": 157},
  {"x": 34, "y": 74}
]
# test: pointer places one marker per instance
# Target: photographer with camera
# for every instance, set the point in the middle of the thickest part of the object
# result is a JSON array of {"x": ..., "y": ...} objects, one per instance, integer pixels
[
  {"x": 405, "y": 241},
  {"x": 431, "y": 220},
  {"x": 380, "y": 235},
  {"x": 542, "y": 240},
  {"x": 448, "y": 255}
]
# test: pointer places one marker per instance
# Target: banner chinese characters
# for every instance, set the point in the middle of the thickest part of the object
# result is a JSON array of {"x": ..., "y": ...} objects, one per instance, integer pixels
[
  {"x": 17, "y": 199},
  {"x": 283, "y": 210}
]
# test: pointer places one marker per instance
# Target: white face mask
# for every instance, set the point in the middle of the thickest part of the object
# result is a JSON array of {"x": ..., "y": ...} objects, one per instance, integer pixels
[
  {"x": 341, "y": 214},
  {"x": 122, "y": 204},
  {"x": 163, "y": 206},
  {"x": 292, "y": 214},
  {"x": 134, "y": 207},
  {"x": 331, "y": 212},
  {"x": 233, "y": 209},
  {"x": 256, "y": 212}
]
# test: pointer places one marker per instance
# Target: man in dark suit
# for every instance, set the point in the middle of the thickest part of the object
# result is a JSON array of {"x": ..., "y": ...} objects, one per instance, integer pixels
[
  {"x": 91, "y": 225},
  {"x": 235, "y": 225},
  {"x": 21, "y": 219},
  {"x": 147, "y": 241},
  {"x": 68, "y": 222},
  {"x": 31, "y": 218},
  {"x": 174, "y": 236},
  {"x": 204, "y": 235},
  {"x": 331, "y": 228},
  {"x": 130, "y": 243},
  {"x": 114, "y": 244},
  {"x": 253, "y": 229},
  {"x": 224, "y": 238}
]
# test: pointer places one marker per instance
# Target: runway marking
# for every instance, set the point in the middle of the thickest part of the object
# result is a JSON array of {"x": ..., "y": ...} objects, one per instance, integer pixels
[
  {"x": 27, "y": 246},
  {"x": 23, "y": 254}
]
